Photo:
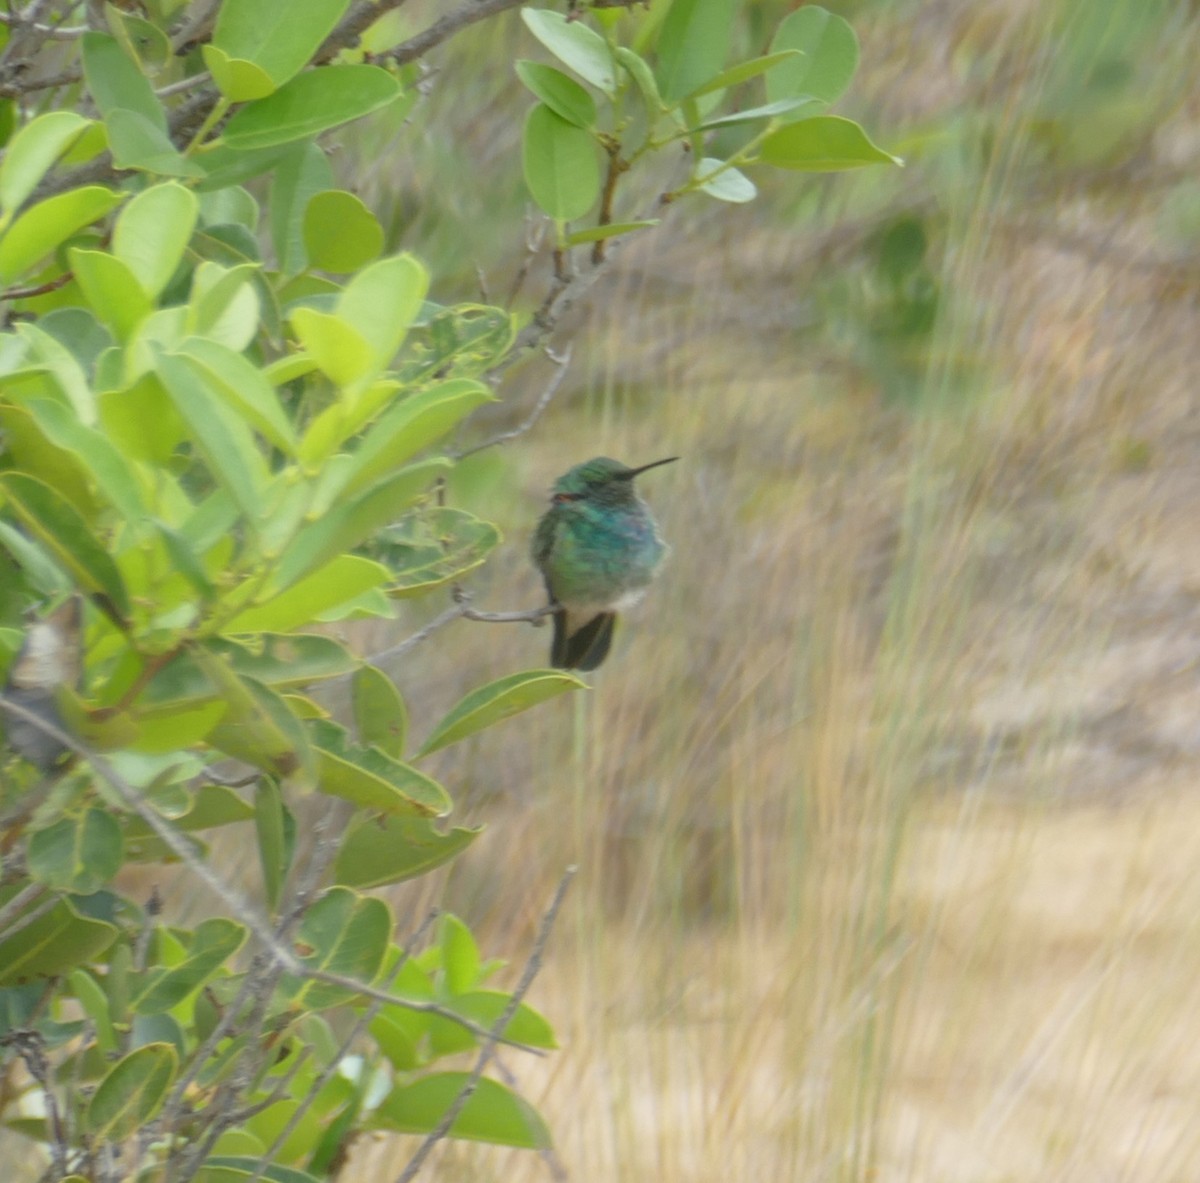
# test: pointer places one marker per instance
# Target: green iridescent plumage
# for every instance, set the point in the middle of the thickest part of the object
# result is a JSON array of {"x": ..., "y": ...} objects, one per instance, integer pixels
[{"x": 598, "y": 550}]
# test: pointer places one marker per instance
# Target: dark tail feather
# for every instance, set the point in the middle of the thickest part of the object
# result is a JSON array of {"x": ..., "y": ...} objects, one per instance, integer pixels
[{"x": 586, "y": 647}]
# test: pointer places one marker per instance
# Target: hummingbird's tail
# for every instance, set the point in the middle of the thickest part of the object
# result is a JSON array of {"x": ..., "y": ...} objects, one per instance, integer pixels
[{"x": 583, "y": 647}]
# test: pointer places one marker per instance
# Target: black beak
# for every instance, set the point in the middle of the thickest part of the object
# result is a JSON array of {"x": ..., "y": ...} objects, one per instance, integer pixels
[{"x": 628, "y": 476}]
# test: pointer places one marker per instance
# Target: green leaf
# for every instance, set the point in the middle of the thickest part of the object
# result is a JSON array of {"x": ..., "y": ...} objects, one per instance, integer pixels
[
  {"x": 692, "y": 44},
  {"x": 152, "y": 232},
  {"x": 561, "y": 93},
  {"x": 132, "y": 1092},
  {"x": 213, "y": 943},
  {"x": 96, "y": 1006},
  {"x": 47, "y": 225},
  {"x": 309, "y": 104},
  {"x": 348, "y": 934},
  {"x": 138, "y": 142},
  {"x": 141, "y": 40},
  {"x": 225, "y": 305},
  {"x": 728, "y": 184},
  {"x": 484, "y": 1008},
  {"x": 112, "y": 289},
  {"x": 244, "y": 388},
  {"x": 461, "y": 963},
  {"x": 275, "y": 829},
  {"x": 744, "y": 71},
  {"x": 379, "y": 711},
  {"x": 232, "y": 1168},
  {"x": 376, "y": 852},
  {"x": 238, "y": 80},
  {"x": 768, "y": 111},
  {"x": 53, "y": 944},
  {"x": 643, "y": 76},
  {"x": 827, "y": 143},
  {"x": 828, "y": 56},
  {"x": 610, "y": 230},
  {"x": 299, "y": 177},
  {"x": 575, "y": 45},
  {"x": 371, "y": 779},
  {"x": 223, "y": 437},
  {"x": 431, "y": 548},
  {"x": 116, "y": 82},
  {"x": 383, "y": 300},
  {"x": 350, "y": 523},
  {"x": 562, "y": 170},
  {"x": 340, "y": 233},
  {"x": 280, "y": 39},
  {"x": 338, "y": 581},
  {"x": 78, "y": 854},
  {"x": 33, "y": 151},
  {"x": 65, "y": 534},
  {"x": 493, "y": 1113},
  {"x": 340, "y": 351},
  {"x": 499, "y": 700}
]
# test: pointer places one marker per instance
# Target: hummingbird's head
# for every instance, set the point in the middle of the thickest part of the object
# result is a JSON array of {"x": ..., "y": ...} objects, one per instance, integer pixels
[{"x": 600, "y": 479}]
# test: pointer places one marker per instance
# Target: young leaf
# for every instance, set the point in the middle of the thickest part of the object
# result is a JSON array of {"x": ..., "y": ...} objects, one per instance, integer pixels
[
  {"x": 499, "y": 700},
  {"x": 112, "y": 289},
  {"x": 827, "y": 143},
  {"x": 610, "y": 230},
  {"x": 152, "y": 232},
  {"x": 343, "y": 579},
  {"x": 32, "y": 152},
  {"x": 562, "y": 170},
  {"x": 340, "y": 233},
  {"x": 827, "y": 60},
  {"x": 692, "y": 45},
  {"x": 575, "y": 45},
  {"x": 728, "y": 184},
  {"x": 460, "y": 955},
  {"x": 47, "y": 225}
]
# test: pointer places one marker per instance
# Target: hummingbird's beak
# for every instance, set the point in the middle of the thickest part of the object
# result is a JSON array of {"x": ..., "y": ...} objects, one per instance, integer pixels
[{"x": 628, "y": 476}]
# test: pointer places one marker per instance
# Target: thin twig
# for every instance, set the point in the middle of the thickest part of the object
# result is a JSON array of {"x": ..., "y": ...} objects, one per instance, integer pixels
[
  {"x": 26, "y": 896},
  {"x": 532, "y": 965},
  {"x": 445, "y": 28},
  {"x": 563, "y": 362},
  {"x": 50, "y": 32},
  {"x": 454, "y": 612},
  {"x": 38, "y": 289}
]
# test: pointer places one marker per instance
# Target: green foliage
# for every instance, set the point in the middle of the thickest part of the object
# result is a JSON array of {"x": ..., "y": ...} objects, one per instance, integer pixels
[{"x": 221, "y": 401}]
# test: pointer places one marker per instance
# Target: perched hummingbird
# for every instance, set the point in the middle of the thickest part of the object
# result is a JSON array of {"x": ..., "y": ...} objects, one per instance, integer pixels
[{"x": 597, "y": 549}]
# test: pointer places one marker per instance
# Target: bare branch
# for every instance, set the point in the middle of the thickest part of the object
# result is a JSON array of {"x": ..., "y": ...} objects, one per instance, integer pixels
[
  {"x": 532, "y": 965},
  {"x": 563, "y": 362},
  {"x": 445, "y": 28},
  {"x": 26, "y": 896}
]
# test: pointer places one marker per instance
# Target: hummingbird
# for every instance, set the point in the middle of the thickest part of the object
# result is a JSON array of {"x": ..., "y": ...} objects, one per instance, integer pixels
[{"x": 597, "y": 548}]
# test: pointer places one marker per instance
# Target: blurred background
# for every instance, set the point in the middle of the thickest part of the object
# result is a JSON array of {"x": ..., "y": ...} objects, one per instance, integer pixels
[{"x": 885, "y": 806}]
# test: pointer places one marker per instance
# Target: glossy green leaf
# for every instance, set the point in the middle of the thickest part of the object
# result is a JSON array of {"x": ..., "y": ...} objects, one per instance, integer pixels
[
  {"x": 350, "y": 523},
  {"x": 280, "y": 40},
  {"x": 726, "y": 184},
  {"x": 132, "y": 1092},
  {"x": 340, "y": 233},
  {"x": 47, "y": 225},
  {"x": 561, "y": 93},
  {"x": 692, "y": 45},
  {"x": 379, "y": 711},
  {"x": 371, "y": 779},
  {"x": 275, "y": 831},
  {"x": 33, "y": 151},
  {"x": 828, "y": 56},
  {"x": 213, "y": 943},
  {"x": 54, "y": 944},
  {"x": 577, "y": 46},
  {"x": 112, "y": 289},
  {"x": 66, "y": 536},
  {"x": 152, "y": 232},
  {"x": 499, "y": 700},
  {"x": 223, "y": 436},
  {"x": 562, "y": 170},
  {"x": 432, "y": 548},
  {"x": 826, "y": 143},
  {"x": 376, "y": 852},
  {"x": 110, "y": 470},
  {"x": 79, "y": 854},
  {"x": 244, "y": 388},
  {"x": 309, "y": 104},
  {"x": 340, "y": 580},
  {"x": 348, "y": 934},
  {"x": 493, "y": 1113}
]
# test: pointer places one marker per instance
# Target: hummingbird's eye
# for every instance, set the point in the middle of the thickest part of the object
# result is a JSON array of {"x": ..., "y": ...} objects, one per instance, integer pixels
[{"x": 559, "y": 498}]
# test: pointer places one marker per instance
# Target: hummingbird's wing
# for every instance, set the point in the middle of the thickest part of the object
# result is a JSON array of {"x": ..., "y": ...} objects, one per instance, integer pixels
[{"x": 585, "y": 647}]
